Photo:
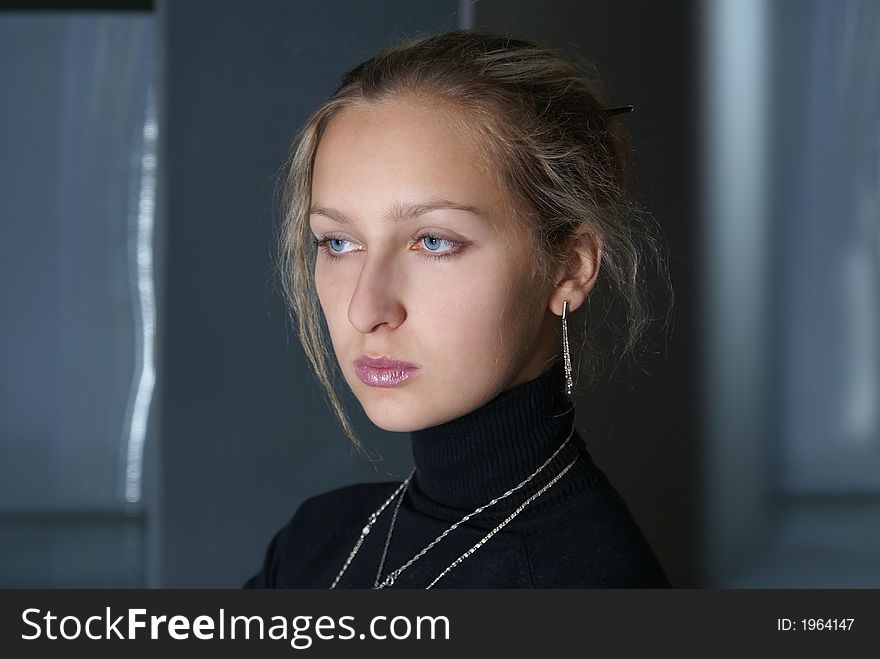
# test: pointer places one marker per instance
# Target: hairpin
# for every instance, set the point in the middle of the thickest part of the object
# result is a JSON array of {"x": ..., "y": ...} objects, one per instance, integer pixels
[{"x": 621, "y": 109}]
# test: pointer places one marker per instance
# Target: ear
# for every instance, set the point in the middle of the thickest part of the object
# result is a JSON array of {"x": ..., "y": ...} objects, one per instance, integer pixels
[{"x": 576, "y": 279}]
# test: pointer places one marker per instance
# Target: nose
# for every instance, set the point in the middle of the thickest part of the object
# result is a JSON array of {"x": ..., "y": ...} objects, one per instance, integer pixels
[{"x": 375, "y": 301}]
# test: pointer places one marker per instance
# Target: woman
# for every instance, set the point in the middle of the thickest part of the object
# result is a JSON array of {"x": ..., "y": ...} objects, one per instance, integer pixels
[{"x": 449, "y": 208}]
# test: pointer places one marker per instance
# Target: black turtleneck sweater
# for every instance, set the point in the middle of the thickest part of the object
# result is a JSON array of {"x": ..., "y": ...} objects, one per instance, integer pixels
[{"x": 577, "y": 534}]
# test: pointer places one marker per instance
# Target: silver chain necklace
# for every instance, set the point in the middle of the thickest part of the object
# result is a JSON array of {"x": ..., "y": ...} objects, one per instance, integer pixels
[{"x": 401, "y": 492}]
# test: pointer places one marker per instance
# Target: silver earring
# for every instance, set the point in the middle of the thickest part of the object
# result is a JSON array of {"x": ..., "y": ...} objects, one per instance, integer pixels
[{"x": 565, "y": 352}]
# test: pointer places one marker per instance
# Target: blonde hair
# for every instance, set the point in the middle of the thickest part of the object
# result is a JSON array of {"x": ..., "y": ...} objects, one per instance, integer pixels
[{"x": 556, "y": 151}]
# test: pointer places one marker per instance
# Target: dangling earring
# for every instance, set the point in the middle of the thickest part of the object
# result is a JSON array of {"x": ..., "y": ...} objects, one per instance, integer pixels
[{"x": 565, "y": 352}]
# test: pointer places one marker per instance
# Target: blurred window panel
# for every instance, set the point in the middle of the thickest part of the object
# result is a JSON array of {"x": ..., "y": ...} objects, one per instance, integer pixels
[
  {"x": 78, "y": 130},
  {"x": 792, "y": 206},
  {"x": 827, "y": 184}
]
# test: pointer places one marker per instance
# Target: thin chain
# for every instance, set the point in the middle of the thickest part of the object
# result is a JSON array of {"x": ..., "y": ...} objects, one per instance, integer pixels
[
  {"x": 388, "y": 539},
  {"x": 504, "y": 523},
  {"x": 392, "y": 576},
  {"x": 371, "y": 520},
  {"x": 373, "y": 516}
]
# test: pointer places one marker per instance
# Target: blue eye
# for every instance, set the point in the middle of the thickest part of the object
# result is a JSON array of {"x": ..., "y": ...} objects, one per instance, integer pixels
[
  {"x": 433, "y": 244},
  {"x": 331, "y": 246},
  {"x": 435, "y": 241}
]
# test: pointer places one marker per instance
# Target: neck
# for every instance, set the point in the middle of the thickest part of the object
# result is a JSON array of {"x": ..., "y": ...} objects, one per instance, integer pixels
[{"x": 466, "y": 462}]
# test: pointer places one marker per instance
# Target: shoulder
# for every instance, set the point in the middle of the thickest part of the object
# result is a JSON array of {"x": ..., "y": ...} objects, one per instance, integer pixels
[
  {"x": 314, "y": 529},
  {"x": 345, "y": 504},
  {"x": 597, "y": 544}
]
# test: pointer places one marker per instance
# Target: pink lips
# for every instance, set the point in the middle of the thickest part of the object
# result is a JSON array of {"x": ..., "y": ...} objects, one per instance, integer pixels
[{"x": 383, "y": 371}]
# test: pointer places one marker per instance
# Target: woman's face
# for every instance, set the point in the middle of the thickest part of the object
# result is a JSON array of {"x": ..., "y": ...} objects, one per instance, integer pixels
[{"x": 422, "y": 264}]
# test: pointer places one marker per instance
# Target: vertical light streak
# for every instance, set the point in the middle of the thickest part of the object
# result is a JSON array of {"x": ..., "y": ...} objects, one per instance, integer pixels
[{"x": 145, "y": 372}]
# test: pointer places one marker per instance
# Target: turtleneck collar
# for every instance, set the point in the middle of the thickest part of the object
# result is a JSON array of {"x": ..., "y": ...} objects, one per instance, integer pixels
[{"x": 465, "y": 462}]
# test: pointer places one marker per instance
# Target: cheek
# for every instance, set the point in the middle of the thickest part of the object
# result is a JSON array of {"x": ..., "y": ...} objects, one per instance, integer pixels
[
  {"x": 474, "y": 317},
  {"x": 333, "y": 297}
]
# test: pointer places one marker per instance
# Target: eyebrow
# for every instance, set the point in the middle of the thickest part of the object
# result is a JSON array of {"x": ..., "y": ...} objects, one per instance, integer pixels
[{"x": 399, "y": 211}]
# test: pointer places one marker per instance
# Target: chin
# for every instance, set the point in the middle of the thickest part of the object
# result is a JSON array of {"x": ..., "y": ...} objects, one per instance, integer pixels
[
  {"x": 402, "y": 415},
  {"x": 392, "y": 422},
  {"x": 403, "y": 426}
]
